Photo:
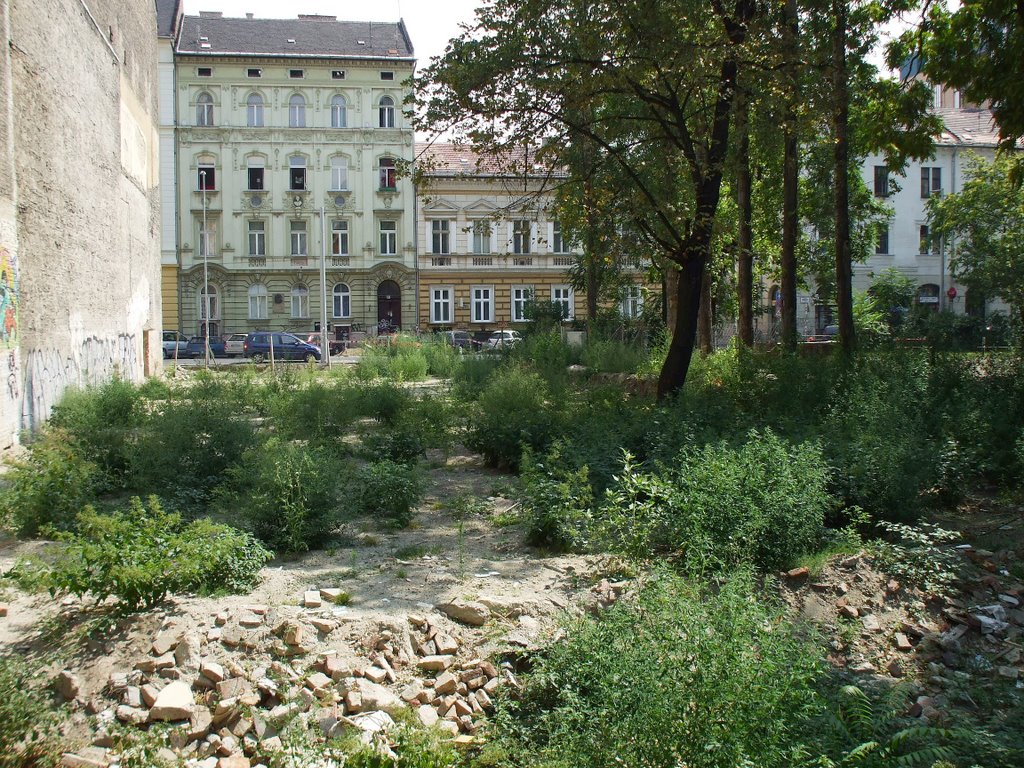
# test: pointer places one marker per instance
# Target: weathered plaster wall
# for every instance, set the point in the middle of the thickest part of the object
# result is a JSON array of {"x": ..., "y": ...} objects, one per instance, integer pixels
[{"x": 83, "y": 90}]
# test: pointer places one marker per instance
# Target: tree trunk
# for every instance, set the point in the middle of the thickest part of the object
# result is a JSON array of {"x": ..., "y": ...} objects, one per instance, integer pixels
[
  {"x": 704, "y": 319},
  {"x": 844, "y": 267},
  {"x": 671, "y": 308},
  {"x": 593, "y": 281},
  {"x": 684, "y": 331},
  {"x": 790, "y": 180},
  {"x": 744, "y": 242}
]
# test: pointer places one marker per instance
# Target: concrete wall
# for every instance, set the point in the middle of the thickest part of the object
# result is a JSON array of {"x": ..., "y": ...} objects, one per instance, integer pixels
[{"x": 79, "y": 99}]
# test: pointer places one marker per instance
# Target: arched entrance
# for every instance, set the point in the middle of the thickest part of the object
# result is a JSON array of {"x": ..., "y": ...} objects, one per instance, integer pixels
[{"x": 389, "y": 306}]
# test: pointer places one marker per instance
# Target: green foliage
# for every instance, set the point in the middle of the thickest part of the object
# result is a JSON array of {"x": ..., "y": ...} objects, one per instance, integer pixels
[
  {"x": 920, "y": 555},
  {"x": 512, "y": 413},
  {"x": 399, "y": 359},
  {"x": 442, "y": 358},
  {"x": 29, "y": 736},
  {"x": 556, "y": 501},
  {"x": 385, "y": 489},
  {"x": 320, "y": 412},
  {"x": 472, "y": 377},
  {"x": 547, "y": 354},
  {"x": 425, "y": 423},
  {"x": 764, "y": 503},
  {"x": 706, "y": 678},
  {"x": 893, "y": 293},
  {"x": 384, "y": 402},
  {"x": 49, "y": 487},
  {"x": 140, "y": 554},
  {"x": 286, "y": 493},
  {"x": 408, "y": 365},
  {"x": 613, "y": 356}
]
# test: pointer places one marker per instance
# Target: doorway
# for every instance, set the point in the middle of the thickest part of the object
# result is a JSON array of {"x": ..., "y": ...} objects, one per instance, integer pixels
[{"x": 389, "y": 307}]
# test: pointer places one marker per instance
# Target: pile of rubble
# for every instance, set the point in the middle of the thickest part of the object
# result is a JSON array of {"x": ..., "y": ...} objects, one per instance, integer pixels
[{"x": 230, "y": 691}]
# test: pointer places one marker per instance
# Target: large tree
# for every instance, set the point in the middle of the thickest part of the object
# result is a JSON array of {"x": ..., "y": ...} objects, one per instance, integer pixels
[{"x": 646, "y": 86}]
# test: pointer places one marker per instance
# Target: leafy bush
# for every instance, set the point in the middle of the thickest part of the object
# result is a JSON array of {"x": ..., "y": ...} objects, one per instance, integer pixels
[
  {"x": 139, "y": 555},
  {"x": 920, "y": 555},
  {"x": 547, "y": 354},
  {"x": 556, "y": 501},
  {"x": 425, "y": 423},
  {"x": 407, "y": 365},
  {"x": 29, "y": 737},
  {"x": 385, "y": 489},
  {"x": 687, "y": 676},
  {"x": 473, "y": 376},
  {"x": 442, "y": 359},
  {"x": 319, "y": 412},
  {"x": 613, "y": 356},
  {"x": 763, "y": 503},
  {"x": 49, "y": 487},
  {"x": 384, "y": 402},
  {"x": 286, "y": 494},
  {"x": 372, "y": 364},
  {"x": 512, "y": 414}
]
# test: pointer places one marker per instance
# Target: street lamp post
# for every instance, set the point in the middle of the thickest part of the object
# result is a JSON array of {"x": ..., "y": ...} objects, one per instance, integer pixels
[
  {"x": 204, "y": 311},
  {"x": 325, "y": 347}
]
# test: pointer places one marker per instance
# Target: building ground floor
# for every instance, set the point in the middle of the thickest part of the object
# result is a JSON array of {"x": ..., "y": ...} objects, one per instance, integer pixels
[{"x": 358, "y": 301}]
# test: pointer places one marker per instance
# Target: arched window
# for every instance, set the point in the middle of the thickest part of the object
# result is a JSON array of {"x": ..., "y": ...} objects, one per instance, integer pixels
[
  {"x": 209, "y": 306},
  {"x": 254, "y": 111},
  {"x": 204, "y": 109},
  {"x": 928, "y": 296},
  {"x": 386, "y": 112},
  {"x": 342, "y": 301},
  {"x": 300, "y": 301},
  {"x": 297, "y": 111},
  {"x": 339, "y": 173},
  {"x": 338, "y": 117},
  {"x": 258, "y": 302},
  {"x": 388, "y": 175}
]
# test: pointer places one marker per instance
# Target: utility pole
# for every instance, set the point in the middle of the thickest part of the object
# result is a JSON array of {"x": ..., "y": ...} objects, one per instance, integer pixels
[
  {"x": 205, "y": 309},
  {"x": 325, "y": 347}
]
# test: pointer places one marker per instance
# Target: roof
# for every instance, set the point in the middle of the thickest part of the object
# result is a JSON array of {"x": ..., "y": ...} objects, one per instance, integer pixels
[
  {"x": 168, "y": 14},
  {"x": 968, "y": 127},
  {"x": 210, "y": 34},
  {"x": 445, "y": 160}
]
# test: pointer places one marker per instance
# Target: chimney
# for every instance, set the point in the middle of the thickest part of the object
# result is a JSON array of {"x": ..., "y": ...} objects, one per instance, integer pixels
[
  {"x": 317, "y": 17},
  {"x": 248, "y": 16},
  {"x": 211, "y": 14}
]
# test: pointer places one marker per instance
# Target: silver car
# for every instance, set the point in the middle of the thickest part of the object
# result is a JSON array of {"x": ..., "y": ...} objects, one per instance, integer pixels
[{"x": 233, "y": 344}]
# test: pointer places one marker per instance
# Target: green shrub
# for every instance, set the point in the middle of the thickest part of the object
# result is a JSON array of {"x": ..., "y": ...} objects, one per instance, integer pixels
[
  {"x": 385, "y": 489},
  {"x": 50, "y": 486},
  {"x": 921, "y": 555},
  {"x": 557, "y": 501},
  {"x": 473, "y": 376},
  {"x": 706, "y": 678},
  {"x": 319, "y": 412},
  {"x": 29, "y": 736},
  {"x": 286, "y": 494},
  {"x": 764, "y": 503},
  {"x": 384, "y": 402},
  {"x": 372, "y": 364},
  {"x": 613, "y": 356},
  {"x": 512, "y": 414},
  {"x": 442, "y": 359},
  {"x": 407, "y": 365},
  {"x": 547, "y": 354},
  {"x": 140, "y": 555}
]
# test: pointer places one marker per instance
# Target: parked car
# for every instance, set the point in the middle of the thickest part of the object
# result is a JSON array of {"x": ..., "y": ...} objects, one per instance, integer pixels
[
  {"x": 502, "y": 339},
  {"x": 197, "y": 344},
  {"x": 233, "y": 344},
  {"x": 461, "y": 340},
  {"x": 335, "y": 346},
  {"x": 287, "y": 346},
  {"x": 174, "y": 341}
]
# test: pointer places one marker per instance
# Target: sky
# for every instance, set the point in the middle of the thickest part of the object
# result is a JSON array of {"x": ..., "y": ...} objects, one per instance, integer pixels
[{"x": 431, "y": 23}]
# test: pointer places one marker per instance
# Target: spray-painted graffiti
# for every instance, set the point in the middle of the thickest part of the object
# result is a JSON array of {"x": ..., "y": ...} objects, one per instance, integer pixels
[
  {"x": 9, "y": 299},
  {"x": 49, "y": 372},
  {"x": 12, "y": 376}
]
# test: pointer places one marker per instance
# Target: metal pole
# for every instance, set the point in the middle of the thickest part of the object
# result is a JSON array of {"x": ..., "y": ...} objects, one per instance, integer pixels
[
  {"x": 205, "y": 309},
  {"x": 325, "y": 347}
]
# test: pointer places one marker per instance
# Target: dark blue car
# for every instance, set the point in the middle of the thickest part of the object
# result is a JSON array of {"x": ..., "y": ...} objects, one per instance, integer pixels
[
  {"x": 287, "y": 346},
  {"x": 194, "y": 348}
]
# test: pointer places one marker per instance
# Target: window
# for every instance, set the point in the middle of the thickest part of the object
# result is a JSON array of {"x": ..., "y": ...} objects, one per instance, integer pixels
[
  {"x": 254, "y": 111},
  {"x": 482, "y": 237},
  {"x": 254, "y": 172},
  {"x": 441, "y": 305},
  {"x": 562, "y": 295},
  {"x": 257, "y": 238},
  {"x": 387, "y": 75},
  {"x": 931, "y": 181},
  {"x": 204, "y": 109},
  {"x": 521, "y": 296},
  {"x": 388, "y": 238},
  {"x": 297, "y": 111},
  {"x": 881, "y": 181},
  {"x": 557, "y": 243},
  {"x": 440, "y": 241},
  {"x": 337, "y": 74},
  {"x": 483, "y": 303},
  {"x": 632, "y": 301},
  {"x": 300, "y": 301},
  {"x": 882, "y": 246},
  {"x": 388, "y": 174},
  {"x": 927, "y": 243},
  {"x": 254, "y": 72},
  {"x": 386, "y": 112},
  {"x": 928, "y": 294},
  {"x": 342, "y": 301},
  {"x": 339, "y": 173},
  {"x": 209, "y": 307},
  {"x": 296, "y": 173},
  {"x": 297, "y": 74},
  {"x": 521, "y": 236},
  {"x": 339, "y": 238},
  {"x": 208, "y": 238},
  {"x": 338, "y": 117},
  {"x": 204, "y": 72},
  {"x": 207, "y": 177},
  {"x": 298, "y": 230},
  {"x": 258, "y": 302}
]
